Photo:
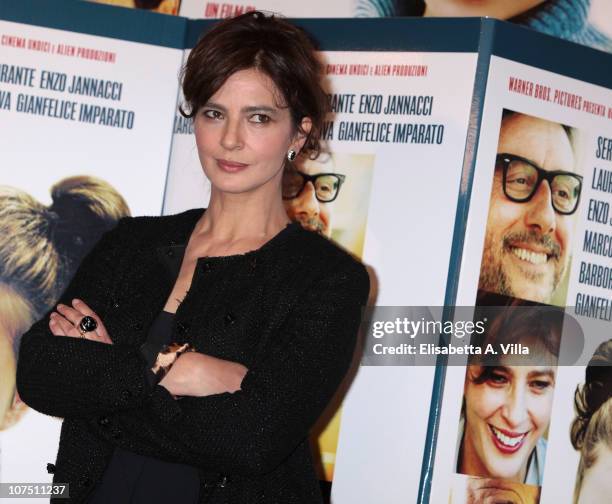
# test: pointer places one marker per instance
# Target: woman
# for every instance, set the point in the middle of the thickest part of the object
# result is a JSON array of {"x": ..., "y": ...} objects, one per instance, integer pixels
[
  {"x": 40, "y": 250},
  {"x": 508, "y": 397},
  {"x": 567, "y": 19},
  {"x": 270, "y": 311},
  {"x": 592, "y": 429}
]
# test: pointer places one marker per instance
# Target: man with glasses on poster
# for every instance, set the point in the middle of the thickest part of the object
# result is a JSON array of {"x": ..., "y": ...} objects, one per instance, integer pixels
[
  {"x": 535, "y": 192},
  {"x": 309, "y": 190}
]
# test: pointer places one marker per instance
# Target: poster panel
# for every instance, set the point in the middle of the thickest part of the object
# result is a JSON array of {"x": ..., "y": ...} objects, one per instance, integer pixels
[
  {"x": 161, "y": 6},
  {"x": 202, "y": 9},
  {"x": 586, "y": 22},
  {"x": 394, "y": 106},
  {"x": 86, "y": 140},
  {"x": 394, "y": 143},
  {"x": 186, "y": 185},
  {"x": 537, "y": 234}
]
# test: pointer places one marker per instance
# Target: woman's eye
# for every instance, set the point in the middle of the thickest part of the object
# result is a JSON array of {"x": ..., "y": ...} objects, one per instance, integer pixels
[
  {"x": 260, "y": 118},
  {"x": 212, "y": 114},
  {"x": 540, "y": 384},
  {"x": 498, "y": 379}
]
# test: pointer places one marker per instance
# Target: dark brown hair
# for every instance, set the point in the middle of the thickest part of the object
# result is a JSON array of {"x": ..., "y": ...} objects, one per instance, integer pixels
[
  {"x": 271, "y": 45},
  {"x": 515, "y": 321}
]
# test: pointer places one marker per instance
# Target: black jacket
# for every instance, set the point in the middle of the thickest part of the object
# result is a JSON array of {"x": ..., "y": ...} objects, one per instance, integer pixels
[{"x": 289, "y": 311}]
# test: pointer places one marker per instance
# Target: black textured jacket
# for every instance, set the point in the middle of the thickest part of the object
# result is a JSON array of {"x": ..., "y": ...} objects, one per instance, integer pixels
[{"x": 289, "y": 311}]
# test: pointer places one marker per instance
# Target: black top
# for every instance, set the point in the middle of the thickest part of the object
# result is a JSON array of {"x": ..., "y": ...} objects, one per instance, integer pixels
[
  {"x": 133, "y": 478},
  {"x": 288, "y": 311}
]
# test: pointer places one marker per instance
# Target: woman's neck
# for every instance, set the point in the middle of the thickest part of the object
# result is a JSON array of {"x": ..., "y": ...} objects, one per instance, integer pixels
[{"x": 232, "y": 217}]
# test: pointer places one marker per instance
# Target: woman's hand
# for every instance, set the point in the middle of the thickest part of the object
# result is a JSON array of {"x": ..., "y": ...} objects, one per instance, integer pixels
[
  {"x": 66, "y": 320},
  {"x": 198, "y": 375}
]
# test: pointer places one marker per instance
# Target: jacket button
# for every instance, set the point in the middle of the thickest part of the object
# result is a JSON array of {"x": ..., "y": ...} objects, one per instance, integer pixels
[
  {"x": 170, "y": 253},
  {"x": 51, "y": 468},
  {"x": 222, "y": 481},
  {"x": 115, "y": 304},
  {"x": 229, "y": 319},
  {"x": 104, "y": 421},
  {"x": 137, "y": 326}
]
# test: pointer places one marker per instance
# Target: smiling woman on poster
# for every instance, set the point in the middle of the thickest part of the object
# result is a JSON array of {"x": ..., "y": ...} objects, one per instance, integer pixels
[
  {"x": 192, "y": 353},
  {"x": 508, "y": 399}
]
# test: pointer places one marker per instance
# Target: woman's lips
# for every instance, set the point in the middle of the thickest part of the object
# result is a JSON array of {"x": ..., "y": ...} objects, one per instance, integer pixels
[
  {"x": 506, "y": 441},
  {"x": 231, "y": 166}
]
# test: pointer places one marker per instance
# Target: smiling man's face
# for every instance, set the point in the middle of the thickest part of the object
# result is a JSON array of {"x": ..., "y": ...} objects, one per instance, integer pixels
[{"x": 527, "y": 245}]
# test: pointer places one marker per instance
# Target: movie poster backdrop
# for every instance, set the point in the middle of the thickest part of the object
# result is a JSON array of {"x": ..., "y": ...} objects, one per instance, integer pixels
[
  {"x": 86, "y": 140},
  {"x": 537, "y": 233}
]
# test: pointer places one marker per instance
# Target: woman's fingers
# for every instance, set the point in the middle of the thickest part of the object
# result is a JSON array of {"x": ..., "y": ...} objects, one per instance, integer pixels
[
  {"x": 56, "y": 329},
  {"x": 66, "y": 322},
  {"x": 84, "y": 309},
  {"x": 72, "y": 315},
  {"x": 64, "y": 325}
]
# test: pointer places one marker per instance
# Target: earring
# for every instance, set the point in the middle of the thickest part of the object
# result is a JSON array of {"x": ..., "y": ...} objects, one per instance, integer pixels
[{"x": 291, "y": 155}]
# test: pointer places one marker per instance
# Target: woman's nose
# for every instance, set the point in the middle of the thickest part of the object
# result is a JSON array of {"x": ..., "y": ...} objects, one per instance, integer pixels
[
  {"x": 232, "y": 135},
  {"x": 515, "y": 408}
]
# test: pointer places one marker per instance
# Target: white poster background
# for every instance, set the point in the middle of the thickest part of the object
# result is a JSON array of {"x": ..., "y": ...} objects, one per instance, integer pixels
[
  {"x": 408, "y": 241},
  {"x": 186, "y": 186},
  {"x": 37, "y": 151},
  {"x": 561, "y": 458}
]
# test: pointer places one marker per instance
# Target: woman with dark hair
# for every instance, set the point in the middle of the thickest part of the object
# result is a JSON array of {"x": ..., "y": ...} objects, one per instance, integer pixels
[
  {"x": 41, "y": 247},
  {"x": 192, "y": 353},
  {"x": 508, "y": 397},
  {"x": 567, "y": 19},
  {"x": 591, "y": 432}
]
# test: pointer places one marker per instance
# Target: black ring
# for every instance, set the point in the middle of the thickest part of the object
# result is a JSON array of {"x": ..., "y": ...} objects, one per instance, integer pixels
[{"x": 88, "y": 324}]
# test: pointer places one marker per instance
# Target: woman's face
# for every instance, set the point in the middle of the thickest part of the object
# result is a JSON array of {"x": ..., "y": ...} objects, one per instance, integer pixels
[
  {"x": 243, "y": 134},
  {"x": 500, "y": 9},
  {"x": 504, "y": 418},
  {"x": 597, "y": 484}
]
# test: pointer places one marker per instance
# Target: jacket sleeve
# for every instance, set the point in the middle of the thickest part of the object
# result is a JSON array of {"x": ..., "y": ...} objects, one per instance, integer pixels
[
  {"x": 65, "y": 376},
  {"x": 252, "y": 430}
]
